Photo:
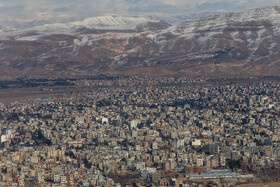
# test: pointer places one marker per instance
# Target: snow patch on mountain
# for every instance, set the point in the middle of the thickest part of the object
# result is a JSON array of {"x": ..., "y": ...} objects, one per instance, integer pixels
[
  {"x": 216, "y": 23},
  {"x": 6, "y": 29},
  {"x": 101, "y": 23},
  {"x": 105, "y": 22}
]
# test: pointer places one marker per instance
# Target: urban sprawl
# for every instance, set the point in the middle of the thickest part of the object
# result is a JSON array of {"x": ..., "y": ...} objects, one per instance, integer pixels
[{"x": 140, "y": 131}]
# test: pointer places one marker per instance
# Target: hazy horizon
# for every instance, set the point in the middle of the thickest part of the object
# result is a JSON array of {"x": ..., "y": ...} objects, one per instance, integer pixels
[{"x": 18, "y": 11}]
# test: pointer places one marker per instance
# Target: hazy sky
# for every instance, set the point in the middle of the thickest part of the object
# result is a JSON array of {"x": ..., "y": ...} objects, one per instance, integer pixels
[{"x": 29, "y": 10}]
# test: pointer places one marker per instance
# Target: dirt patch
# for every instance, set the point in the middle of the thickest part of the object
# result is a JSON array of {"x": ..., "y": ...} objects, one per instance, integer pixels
[
  {"x": 7, "y": 96},
  {"x": 276, "y": 184}
]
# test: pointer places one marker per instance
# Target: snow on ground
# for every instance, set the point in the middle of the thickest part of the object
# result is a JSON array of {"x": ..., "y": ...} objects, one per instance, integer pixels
[
  {"x": 272, "y": 63},
  {"x": 105, "y": 22},
  {"x": 214, "y": 68},
  {"x": 83, "y": 41},
  {"x": 30, "y": 38},
  {"x": 2, "y": 46}
]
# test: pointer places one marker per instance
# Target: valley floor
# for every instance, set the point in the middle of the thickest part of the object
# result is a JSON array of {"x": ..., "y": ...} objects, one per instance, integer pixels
[{"x": 275, "y": 184}]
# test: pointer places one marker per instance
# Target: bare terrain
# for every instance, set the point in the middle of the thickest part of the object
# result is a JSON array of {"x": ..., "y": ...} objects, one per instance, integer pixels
[
  {"x": 240, "y": 44},
  {"x": 8, "y": 96},
  {"x": 275, "y": 184}
]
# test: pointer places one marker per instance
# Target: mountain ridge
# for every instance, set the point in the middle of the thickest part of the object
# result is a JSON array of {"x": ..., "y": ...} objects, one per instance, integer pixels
[
  {"x": 99, "y": 23},
  {"x": 234, "y": 44}
]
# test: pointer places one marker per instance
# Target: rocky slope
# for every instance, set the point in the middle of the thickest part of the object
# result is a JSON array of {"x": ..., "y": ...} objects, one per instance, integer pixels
[{"x": 230, "y": 45}]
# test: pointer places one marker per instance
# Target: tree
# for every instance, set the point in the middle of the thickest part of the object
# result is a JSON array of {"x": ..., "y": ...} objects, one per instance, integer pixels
[{"x": 87, "y": 163}]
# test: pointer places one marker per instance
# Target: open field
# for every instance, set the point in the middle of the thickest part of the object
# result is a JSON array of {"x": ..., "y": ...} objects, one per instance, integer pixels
[
  {"x": 10, "y": 95},
  {"x": 275, "y": 184}
]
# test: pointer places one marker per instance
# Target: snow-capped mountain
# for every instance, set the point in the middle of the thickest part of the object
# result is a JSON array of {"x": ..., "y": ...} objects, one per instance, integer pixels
[
  {"x": 190, "y": 16},
  {"x": 6, "y": 29},
  {"x": 232, "y": 44},
  {"x": 105, "y": 22},
  {"x": 90, "y": 25}
]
